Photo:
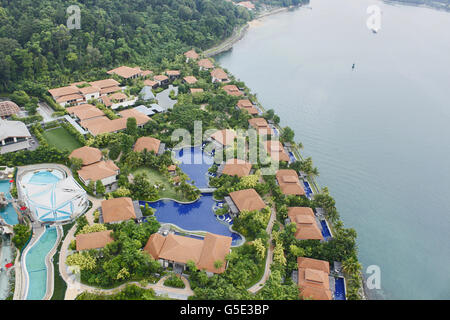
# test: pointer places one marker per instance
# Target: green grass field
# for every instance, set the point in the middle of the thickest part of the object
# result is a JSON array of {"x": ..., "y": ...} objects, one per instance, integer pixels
[
  {"x": 156, "y": 177},
  {"x": 61, "y": 139}
]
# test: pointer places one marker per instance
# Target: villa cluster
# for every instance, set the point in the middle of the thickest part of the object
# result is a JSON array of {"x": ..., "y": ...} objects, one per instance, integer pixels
[{"x": 61, "y": 198}]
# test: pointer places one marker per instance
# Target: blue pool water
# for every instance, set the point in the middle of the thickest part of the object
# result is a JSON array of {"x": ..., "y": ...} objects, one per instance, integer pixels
[
  {"x": 35, "y": 263},
  {"x": 292, "y": 157},
  {"x": 195, "y": 164},
  {"x": 196, "y": 216},
  {"x": 44, "y": 177},
  {"x": 325, "y": 231},
  {"x": 8, "y": 213},
  {"x": 193, "y": 236},
  {"x": 339, "y": 289},
  {"x": 275, "y": 131},
  {"x": 226, "y": 218},
  {"x": 308, "y": 190}
]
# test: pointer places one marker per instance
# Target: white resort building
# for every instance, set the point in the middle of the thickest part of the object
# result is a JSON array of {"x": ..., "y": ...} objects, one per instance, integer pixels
[{"x": 14, "y": 136}]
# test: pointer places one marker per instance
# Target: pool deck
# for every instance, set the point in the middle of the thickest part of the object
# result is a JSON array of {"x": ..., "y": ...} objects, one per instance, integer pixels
[{"x": 21, "y": 285}]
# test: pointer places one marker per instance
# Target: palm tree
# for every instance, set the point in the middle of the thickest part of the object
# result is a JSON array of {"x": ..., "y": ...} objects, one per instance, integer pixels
[
  {"x": 218, "y": 264},
  {"x": 351, "y": 266}
]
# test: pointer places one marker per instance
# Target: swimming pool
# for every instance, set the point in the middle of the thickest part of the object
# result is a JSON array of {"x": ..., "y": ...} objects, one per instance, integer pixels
[
  {"x": 308, "y": 190},
  {"x": 8, "y": 213},
  {"x": 45, "y": 177},
  {"x": 292, "y": 157},
  {"x": 325, "y": 230},
  {"x": 196, "y": 216},
  {"x": 339, "y": 289},
  {"x": 51, "y": 196},
  {"x": 35, "y": 264},
  {"x": 6, "y": 256},
  {"x": 195, "y": 163}
]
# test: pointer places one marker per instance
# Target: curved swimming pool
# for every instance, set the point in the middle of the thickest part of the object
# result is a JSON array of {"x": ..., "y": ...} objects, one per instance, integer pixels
[
  {"x": 196, "y": 216},
  {"x": 8, "y": 213},
  {"x": 195, "y": 163},
  {"x": 35, "y": 265}
]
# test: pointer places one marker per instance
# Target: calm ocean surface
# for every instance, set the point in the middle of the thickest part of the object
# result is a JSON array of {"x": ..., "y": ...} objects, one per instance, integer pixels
[{"x": 380, "y": 135}]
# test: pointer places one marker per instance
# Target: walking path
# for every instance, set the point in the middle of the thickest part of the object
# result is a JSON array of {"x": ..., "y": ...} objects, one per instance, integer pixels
[
  {"x": 269, "y": 258},
  {"x": 74, "y": 287}
]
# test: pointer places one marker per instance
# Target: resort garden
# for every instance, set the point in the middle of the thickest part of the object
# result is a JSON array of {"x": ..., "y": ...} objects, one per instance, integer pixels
[
  {"x": 145, "y": 176},
  {"x": 119, "y": 261}
]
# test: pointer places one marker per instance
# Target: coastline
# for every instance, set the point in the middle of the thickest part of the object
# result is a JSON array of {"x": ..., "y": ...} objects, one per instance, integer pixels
[
  {"x": 241, "y": 31},
  {"x": 436, "y": 5}
]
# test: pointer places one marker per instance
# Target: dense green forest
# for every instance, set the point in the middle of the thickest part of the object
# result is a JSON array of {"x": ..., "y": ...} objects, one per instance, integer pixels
[{"x": 37, "y": 50}]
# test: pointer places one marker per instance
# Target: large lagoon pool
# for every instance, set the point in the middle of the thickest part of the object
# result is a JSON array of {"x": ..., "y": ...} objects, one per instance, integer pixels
[
  {"x": 196, "y": 216},
  {"x": 8, "y": 213},
  {"x": 195, "y": 163},
  {"x": 35, "y": 264}
]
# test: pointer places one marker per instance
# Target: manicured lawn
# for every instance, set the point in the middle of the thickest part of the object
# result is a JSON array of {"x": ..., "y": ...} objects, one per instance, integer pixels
[
  {"x": 61, "y": 139},
  {"x": 156, "y": 177}
]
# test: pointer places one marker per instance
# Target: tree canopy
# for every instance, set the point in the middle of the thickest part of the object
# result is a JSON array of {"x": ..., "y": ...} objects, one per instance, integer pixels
[{"x": 38, "y": 50}]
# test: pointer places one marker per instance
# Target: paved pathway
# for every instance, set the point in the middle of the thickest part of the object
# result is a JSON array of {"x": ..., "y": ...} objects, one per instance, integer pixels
[
  {"x": 46, "y": 111},
  {"x": 74, "y": 288},
  {"x": 256, "y": 287}
]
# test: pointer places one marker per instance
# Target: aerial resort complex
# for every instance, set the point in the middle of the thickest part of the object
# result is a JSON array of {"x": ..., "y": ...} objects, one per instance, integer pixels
[
  {"x": 192, "y": 216},
  {"x": 166, "y": 179}
]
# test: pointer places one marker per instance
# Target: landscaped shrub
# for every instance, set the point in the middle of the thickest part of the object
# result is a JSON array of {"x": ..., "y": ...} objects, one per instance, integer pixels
[
  {"x": 52, "y": 103},
  {"x": 73, "y": 245},
  {"x": 81, "y": 223},
  {"x": 174, "y": 281},
  {"x": 29, "y": 119},
  {"x": 21, "y": 235},
  {"x": 114, "y": 151}
]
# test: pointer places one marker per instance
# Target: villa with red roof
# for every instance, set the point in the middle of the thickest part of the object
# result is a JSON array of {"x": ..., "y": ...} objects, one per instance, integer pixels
[
  {"x": 218, "y": 75},
  {"x": 175, "y": 251},
  {"x": 289, "y": 182},
  {"x": 191, "y": 54},
  {"x": 305, "y": 221},
  {"x": 244, "y": 200},
  {"x": 94, "y": 168},
  {"x": 313, "y": 279}
]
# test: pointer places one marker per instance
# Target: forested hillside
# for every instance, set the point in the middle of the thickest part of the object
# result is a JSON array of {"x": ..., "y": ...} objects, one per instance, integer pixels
[{"x": 38, "y": 50}]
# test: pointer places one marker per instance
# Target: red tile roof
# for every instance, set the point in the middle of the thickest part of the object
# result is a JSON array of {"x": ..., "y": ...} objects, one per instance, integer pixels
[
  {"x": 247, "y": 200},
  {"x": 118, "y": 209},
  {"x": 289, "y": 182},
  {"x": 191, "y": 54},
  {"x": 89, "y": 155},
  {"x": 149, "y": 143},
  {"x": 313, "y": 278},
  {"x": 237, "y": 167},
  {"x": 305, "y": 221},
  {"x": 183, "y": 249}
]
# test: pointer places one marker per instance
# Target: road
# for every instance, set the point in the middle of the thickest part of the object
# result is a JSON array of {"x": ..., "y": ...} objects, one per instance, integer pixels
[{"x": 45, "y": 111}]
